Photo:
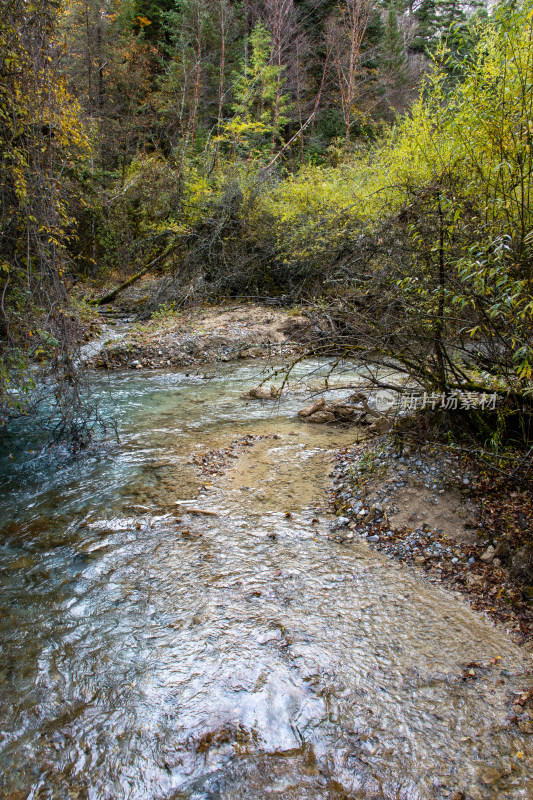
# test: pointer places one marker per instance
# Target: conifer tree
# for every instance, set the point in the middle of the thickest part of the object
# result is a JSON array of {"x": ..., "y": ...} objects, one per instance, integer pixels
[
  {"x": 444, "y": 21},
  {"x": 394, "y": 58},
  {"x": 261, "y": 108}
]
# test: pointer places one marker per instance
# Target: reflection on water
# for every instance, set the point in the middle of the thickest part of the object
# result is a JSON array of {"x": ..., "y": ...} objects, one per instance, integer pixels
[{"x": 152, "y": 653}]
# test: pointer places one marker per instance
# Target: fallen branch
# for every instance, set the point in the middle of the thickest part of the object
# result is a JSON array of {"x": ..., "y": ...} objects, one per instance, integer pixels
[{"x": 110, "y": 296}]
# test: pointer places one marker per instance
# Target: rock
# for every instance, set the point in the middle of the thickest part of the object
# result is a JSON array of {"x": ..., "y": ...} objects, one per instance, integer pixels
[
  {"x": 488, "y": 555},
  {"x": 381, "y": 425},
  {"x": 251, "y": 352},
  {"x": 343, "y": 412},
  {"x": 473, "y": 581},
  {"x": 502, "y": 549},
  {"x": 523, "y": 521},
  {"x": 257, "y": 393},
  {"x": 339, "y": 404},
  {"x": 312, "y": 409},
  {"x": 522, "y": 564},
  {"x": 496, "y": 562},
  {"x": 269, "y": 636},
  {"x": 321, "y": 417},
  {"x": 370, "y": 516},
  {"x": 490, "y": 776},
  {"x": 341, "y": 522},
  {"x": 372, "y": 538}
]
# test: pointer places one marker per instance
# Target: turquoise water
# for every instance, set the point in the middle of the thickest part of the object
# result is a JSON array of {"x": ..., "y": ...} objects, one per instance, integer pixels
[{"x": 153, "y": 651}]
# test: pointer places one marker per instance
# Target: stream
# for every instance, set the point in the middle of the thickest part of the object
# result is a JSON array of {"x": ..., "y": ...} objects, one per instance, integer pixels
[{"x": 150, "y": 651}]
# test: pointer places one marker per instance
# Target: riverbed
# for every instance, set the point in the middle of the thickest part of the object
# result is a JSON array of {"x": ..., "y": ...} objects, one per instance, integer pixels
[{"x": 171, "y": 633}]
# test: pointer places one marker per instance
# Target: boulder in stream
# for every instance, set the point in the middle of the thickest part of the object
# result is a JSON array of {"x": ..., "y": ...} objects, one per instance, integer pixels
[
  {"x": 312, "y": 409},
  {"x": 261, "y": 393},
  {"x": 321, "y": 416}
]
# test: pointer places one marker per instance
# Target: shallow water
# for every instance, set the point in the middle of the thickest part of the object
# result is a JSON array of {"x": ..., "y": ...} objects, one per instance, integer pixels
[{"x": 152, "y": 653}]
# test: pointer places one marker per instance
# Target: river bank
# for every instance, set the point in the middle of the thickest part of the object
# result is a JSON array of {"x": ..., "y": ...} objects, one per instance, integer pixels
[
  {"x": 430, "y": 507},
  {"x": 206, "y": 334}
]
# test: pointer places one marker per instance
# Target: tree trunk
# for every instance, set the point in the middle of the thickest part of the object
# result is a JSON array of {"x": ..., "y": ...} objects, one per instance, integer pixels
[{"x": 110, "y": 296}]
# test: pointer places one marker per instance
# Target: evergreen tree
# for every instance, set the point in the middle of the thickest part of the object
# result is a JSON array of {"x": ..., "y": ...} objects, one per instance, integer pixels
[
  {"x": 394, "y": 59},
  {"x": 260, "y": 109},
  {"x": 445, "y": 21},
  {"x": 149, "y": 19}
]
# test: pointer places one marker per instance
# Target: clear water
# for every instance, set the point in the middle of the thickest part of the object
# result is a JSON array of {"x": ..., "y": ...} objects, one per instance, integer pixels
[{"x": 151, "y": 653}]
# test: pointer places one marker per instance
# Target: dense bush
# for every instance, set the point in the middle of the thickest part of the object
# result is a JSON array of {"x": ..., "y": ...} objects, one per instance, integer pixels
[
  {"x": 425, "y": 242},
  {"x": 43, "y": 146}
]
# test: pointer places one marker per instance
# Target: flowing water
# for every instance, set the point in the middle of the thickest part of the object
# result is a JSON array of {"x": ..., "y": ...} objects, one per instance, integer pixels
[{"x": 152, "y": 651}]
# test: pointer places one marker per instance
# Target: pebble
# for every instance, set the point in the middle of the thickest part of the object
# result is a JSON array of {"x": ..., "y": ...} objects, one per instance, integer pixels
[
  {"x": 342, "y": 521},
  {"x": 488, "y": 555},
  {"x": 356, "y": 491},
  {"x": 490, "y": 776}
]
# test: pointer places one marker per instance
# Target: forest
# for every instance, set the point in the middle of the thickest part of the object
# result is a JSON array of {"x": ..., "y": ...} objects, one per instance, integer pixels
[
  {"x": 370, "y": 161},
  {"x": 266, "y": 399}
]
